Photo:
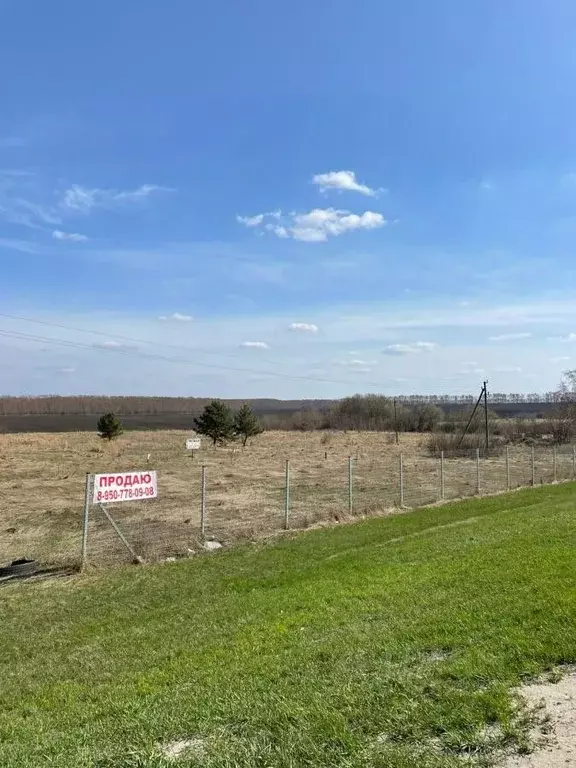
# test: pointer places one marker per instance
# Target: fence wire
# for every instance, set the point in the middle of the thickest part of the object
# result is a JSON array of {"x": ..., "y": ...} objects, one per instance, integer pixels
[{"x": 42, "y": 517}]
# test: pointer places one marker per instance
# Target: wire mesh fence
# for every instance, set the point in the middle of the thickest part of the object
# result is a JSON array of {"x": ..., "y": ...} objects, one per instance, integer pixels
[{"x": 226, "y": 497}]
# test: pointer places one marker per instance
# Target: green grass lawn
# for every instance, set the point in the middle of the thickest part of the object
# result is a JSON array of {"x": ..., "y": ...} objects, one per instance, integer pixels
[{"x": 391, "y": 643}]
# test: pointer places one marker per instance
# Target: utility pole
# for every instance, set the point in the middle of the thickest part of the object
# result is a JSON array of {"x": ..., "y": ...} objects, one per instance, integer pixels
[
  {"x": 471, "y": 416},
  {"x": 396, "y": 423},
  {"x": 486, "y": 417}
]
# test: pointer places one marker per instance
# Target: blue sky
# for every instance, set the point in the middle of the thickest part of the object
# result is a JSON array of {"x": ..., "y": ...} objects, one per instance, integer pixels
[{"x": 368, "y": 197}]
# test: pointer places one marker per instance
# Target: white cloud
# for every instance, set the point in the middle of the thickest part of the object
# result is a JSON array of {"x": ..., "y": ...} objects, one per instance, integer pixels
[
  {"x": 178, "y": 317},
  {"x": 562, "y": 359},
  {"x": 254, "y": 345},
  {"x": 72, "y": 236},
  {"x": 82, "y": 200},
  {"x": 410, "y": 349},
  {"x": 510, "y": 337},
  {"x": 315, "y": 226},
  {"x": 343, "y": 181},
  {"x": 68, "y": 370},
  {"x": 251, "y": 221},
  {"x": 355, "y": 363},
  {"x": 303, "y": 327},
  {"x": 321, "y": 223},
  {"x": 363, "y": 362},
  {"x": 570, "y": 337}
]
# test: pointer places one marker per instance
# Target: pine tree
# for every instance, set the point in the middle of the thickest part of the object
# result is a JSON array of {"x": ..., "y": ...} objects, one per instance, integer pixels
[
  {"x": 216, "y": 422},
  {"x": 109, "y": 426},
  {"x": 246, "y": 424}
]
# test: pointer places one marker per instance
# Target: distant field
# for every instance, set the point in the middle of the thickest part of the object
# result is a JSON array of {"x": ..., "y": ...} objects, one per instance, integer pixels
[
  {"x": 69, "y": 422},
  {"x": 42, "y": 485},
  {"x": 390, "y": 643}
]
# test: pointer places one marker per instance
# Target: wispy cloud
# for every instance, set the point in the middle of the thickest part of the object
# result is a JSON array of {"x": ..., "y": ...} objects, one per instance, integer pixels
[
  {"x": 315, "y": 226},
  {"x": 487, "y": 186},
  {"x": 254, "y": 345},
  {"x": 15, "y": 173},
  {"x": 410, "y": 349},
  {"x": 569, "y": 338},
  {"x": 27, "y": 214},
  {"x": 42, "y": 212},
  {"x": 358, "y": 366},
  {"x": 23, "y": 202},
  {"x": 251, "y": 221},
  {"x": 23, "y": 246},
  {"x": 561, "y": 359},
  {"x": 342, "y": 181},
  {"x": 303, "y": 327},
  {"x": 82, "y": 199},
  {"x": 177, "y": 317},
  {"x": 74, "y": 237},
  {"x": 510, "y": 336}
]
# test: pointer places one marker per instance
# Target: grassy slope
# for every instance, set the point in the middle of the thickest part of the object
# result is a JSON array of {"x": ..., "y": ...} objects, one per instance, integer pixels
[{"x": 386, "y": 643}]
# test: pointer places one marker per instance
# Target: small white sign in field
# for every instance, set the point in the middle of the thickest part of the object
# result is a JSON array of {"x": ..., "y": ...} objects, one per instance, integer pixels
[
  {"x": 124, "y": 486},
  {"x": 193, "y": 444}
]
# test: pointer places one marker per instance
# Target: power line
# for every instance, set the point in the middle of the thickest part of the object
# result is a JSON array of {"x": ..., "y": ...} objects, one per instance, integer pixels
[
  {"x": 144, "y": 355},
  {"x": 93, "y": 332},
  {"x": 147, "y": 356}
]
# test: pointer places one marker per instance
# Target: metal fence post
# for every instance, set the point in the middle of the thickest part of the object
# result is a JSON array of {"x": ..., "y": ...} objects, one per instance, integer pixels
[
  {"x": 533, "y": 468},
  {"x": 203, "y": 503},
  {"x": 87, "y": 489},
  {"x": 350, "y": 486},
  {"x": 441, "y": 475},
  {"x": 287, "y": 495},
  {"x": 554, "y": 463},
  {"x": 507, "y": 469},
  {"x": 477, "y": 471},
  {"x": 401, "y": 480}
]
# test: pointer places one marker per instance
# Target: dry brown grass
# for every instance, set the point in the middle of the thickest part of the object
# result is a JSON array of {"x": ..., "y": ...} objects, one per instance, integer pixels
[{"x": 42, "y": 485}]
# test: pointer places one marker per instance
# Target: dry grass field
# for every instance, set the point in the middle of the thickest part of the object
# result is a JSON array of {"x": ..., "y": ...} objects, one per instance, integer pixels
[{"x": 42, "y": 486}]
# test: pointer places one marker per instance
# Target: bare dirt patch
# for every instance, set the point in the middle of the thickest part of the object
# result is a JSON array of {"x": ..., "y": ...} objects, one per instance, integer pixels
[
  {"x": 182, "y": 748},
  {"x": 554, "y": 736}
]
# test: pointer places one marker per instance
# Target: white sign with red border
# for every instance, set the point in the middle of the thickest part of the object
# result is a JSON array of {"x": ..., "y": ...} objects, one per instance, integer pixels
[
  {"x": 193, "y": 444},
  {"x": 124, "y": 486}
]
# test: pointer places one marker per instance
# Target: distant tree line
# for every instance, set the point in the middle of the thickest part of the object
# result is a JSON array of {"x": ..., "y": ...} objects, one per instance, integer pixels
[
  {"x": 132, "y": 405},
  {"x": 92, "y": 405}
]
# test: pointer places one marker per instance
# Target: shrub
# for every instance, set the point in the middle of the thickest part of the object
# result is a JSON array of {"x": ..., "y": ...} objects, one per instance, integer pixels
[
  {"x": 109, "y": 426},
  {"x": 246, "y": 424},
  {"x": 453, "y": 444},
  {"x": 216, "y": 422}
]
